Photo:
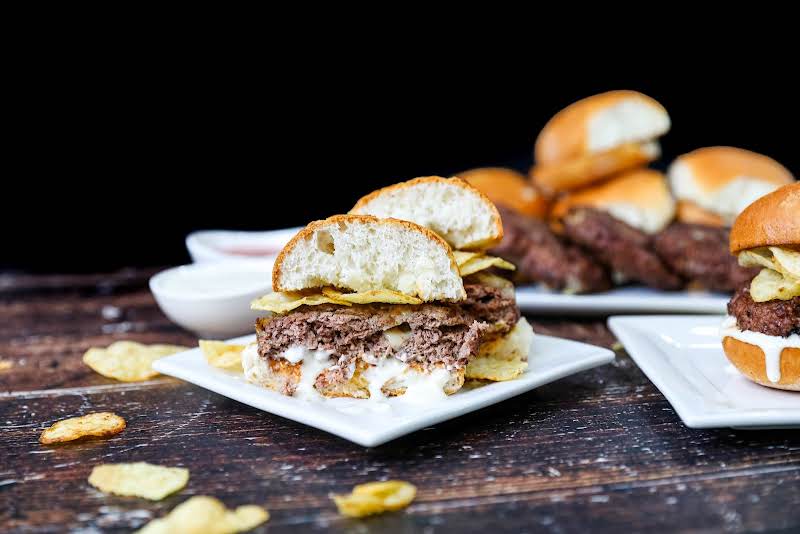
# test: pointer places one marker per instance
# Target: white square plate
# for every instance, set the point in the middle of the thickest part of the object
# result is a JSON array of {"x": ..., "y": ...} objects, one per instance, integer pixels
[
  {"x": 551, "y": 358},
  {"x": 683, "y": 357},
  {"x": 631, "y": 299}
]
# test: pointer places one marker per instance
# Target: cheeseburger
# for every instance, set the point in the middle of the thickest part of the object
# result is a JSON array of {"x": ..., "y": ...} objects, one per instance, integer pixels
[
  {"x": 598, "y": 137},
  {"x": 713, "y": 185},
  {"x": 371, "y": 306},
  {"x": 761, "y": 335}
]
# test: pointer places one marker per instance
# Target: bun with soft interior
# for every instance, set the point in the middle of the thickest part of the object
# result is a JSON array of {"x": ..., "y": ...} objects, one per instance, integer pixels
[
  {"x": 363, "y": 253},
  {"x": 640, "y": 198},
  {"x": 724, "y": 180},
  {"x": 750, "y": 361},
  {"x": 772, "y": 220},
  {"x": 596, "y": 137},
  {"x": 508, "y": 188},
  {"x": 452, "y": 208}
]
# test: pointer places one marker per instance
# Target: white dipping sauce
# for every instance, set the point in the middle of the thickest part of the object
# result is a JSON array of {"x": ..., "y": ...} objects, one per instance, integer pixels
[
  {"x": 213, "y": 281},
  {"x": 771, "y": 345}
]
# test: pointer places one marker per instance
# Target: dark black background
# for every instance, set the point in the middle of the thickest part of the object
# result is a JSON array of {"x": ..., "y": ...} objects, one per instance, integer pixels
[{"x": 113, "y": 161}]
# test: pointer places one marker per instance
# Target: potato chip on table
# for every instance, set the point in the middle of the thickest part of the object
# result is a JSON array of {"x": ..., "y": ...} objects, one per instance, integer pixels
[
  {"x": 153, "y": 482},
  {"x": 222, "y": 355},
  {"x": 98, "y": 425},
  {"x": 128, "y": 361},
  {"x": 376, "y": 498},
  {"x": 207, "y": 515}
]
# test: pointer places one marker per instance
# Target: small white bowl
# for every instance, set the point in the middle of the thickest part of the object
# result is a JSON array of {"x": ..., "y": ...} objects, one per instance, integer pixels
[
  {"x": 216, "y": 245},
  {"x": 213, "y": 299}
]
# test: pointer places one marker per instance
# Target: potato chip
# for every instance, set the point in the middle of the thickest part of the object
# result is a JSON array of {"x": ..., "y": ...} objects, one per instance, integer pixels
[
  {"x": 771, "y": 285},
  {"x": 504, "y": 358},
  {"x": 222, "y": 355},
  {"x": 139, "y": 479},
  {"x": 484, "y": 262},
  {"x": 282, "y": 302},
  {"x": 463, "y": 256},
  {"x": 207, "y": 515},
  {"x": 385, "y": 296},
  {"x": 788, "y": 261},
  {"x": 6, "y": 365},
  {"x": 128, "y": 361},
  {"x": 757, "y": 257},
  {"x": 375, "y": 498},
  {"x": 97, "y": 425}
]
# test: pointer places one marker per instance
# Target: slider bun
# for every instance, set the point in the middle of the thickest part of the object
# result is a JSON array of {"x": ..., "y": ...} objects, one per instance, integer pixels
[
  {"x": 596, "y": 125},
  {"x": 724, "y": 180},
  {"x": 363, "y": 253},
  {"x": 690, "y": 213},
  {"x": 455, "y": 210},
  {"x": 749, "y": 360},
  {"x": 772, "y": 220},
  {"x": 509, "y": 188},
  {"x": 640, "y": 198}
]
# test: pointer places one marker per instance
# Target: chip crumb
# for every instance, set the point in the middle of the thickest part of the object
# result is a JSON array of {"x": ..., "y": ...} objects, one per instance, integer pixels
[
  {"x": 128, "y": 361},
  {"x": 202, "y": 514},
  {"x": 375, "y": 498},
  {"x": 222, "y": 355},
  {"x": 98, "y": 425},
  {"x": 140, "y": 479}
]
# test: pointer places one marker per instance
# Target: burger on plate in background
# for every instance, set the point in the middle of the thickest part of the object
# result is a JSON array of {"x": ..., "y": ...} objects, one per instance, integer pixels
[
  {"x": 712, "y": 186},
  {"x": 761, "y": 335},
  {"x": 597, "y": 137}
]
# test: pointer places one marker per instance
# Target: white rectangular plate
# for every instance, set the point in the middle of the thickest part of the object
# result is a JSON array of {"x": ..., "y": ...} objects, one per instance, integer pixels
[
  {"x": 683, "y": 357},
  {"x": 551, "y": 358},
  {"x": 633, "y": 299}
]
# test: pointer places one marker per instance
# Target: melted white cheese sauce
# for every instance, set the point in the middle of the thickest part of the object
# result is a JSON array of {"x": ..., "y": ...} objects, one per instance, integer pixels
[{"x": 771, "y": 345}]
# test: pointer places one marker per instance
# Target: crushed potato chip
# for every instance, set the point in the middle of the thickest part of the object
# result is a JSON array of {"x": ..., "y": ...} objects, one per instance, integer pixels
[
  {"x": 207, "y": 515},
  {"x": 375, "y": 498},
  {"x": 386, "y": 296},
  {"x": 128, "y": 361},
  {"x": 222, "y": 355},
  {"x": 772, "y": 285},
  {"x": 282, "y": 302},
  {"x": 97, "y": 425},
  {"x": 504, "y": 358},
  {"x": 6, "y": 365},
  {"x": 139, "y": 479}
]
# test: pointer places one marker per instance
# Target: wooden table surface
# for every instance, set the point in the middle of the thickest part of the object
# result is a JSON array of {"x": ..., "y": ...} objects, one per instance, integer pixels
[{"x": 598, "y": 451}]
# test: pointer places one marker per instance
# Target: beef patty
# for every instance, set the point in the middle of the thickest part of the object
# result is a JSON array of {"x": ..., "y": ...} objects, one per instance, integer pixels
[
  {"x": 700, "y": 254},
  {"x": 626, "y": 250},
  {"x": 436, "y": 334},
  {"x": 774, "y": 317},
  {"x": 541, "y": 256}
]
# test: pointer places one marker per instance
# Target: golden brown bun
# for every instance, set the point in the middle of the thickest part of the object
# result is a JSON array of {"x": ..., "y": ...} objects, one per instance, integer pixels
[
  {"x": 714, "y": 166},
  {"x": 507, "y": 187},
  {"x": 639, "y": 197},
  {"x": 690, "y": 213},
  {"x": 588, "y": 168},
  {"x": 749, "y": 360},
  {"x": 772, "y": 220},
  {"x": 567, "y": 136}
]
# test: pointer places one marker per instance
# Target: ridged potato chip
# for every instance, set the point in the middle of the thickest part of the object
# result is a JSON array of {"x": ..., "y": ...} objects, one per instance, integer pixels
[
  {"x": 222, "y": 355},
  {"x": 384, "y": 296},
  {"x": 128, "y": 361},
  {"x": 771, "y": 285},
  {"x": 481, "y": 263},
  {"x": 375, "y": 498},
  {"x": 282, "y": 302},
  {"x": 504, "y": 358},
  {"x": 207, "y": 515},
  {"x": 96, "y": 425},
  {"x": 140, "y": 479}
]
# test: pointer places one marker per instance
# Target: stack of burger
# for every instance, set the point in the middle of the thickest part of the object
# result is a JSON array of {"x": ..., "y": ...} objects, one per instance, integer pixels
[
  {"x": 593, "y": 209},
  {"x": 395, "y": 298}
]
